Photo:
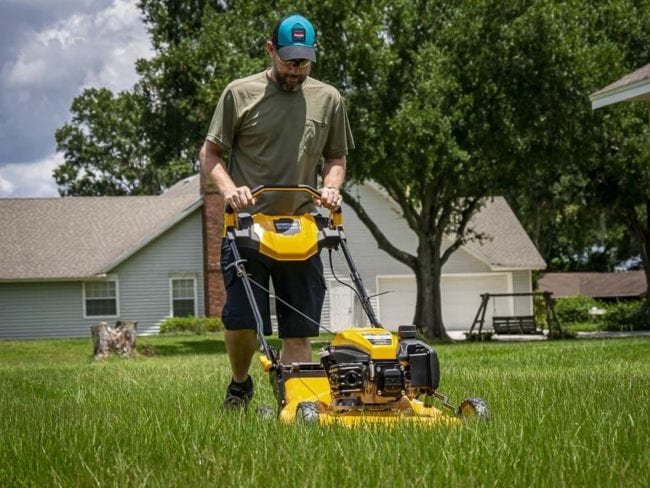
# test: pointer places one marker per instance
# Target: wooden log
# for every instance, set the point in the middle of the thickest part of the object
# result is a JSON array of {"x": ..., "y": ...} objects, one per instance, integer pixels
[
  {"x": 101, "y": 340},
  {"x": 120, "y": 339},
  {"x": 125, "y": 337}
]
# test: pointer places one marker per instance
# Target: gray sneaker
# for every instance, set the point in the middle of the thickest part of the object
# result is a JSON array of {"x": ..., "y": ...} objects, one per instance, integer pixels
[{"x": 238, "y": 395}]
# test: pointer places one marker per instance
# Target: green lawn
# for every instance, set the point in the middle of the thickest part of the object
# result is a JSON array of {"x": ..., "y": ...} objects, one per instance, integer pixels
[{"x": 566, "y": 413}]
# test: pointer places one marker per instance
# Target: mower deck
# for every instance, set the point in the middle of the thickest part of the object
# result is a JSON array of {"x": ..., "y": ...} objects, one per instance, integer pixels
[{"x": 306, "y": 397}]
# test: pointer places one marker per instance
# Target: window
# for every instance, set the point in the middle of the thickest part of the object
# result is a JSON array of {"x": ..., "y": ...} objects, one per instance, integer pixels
[
  {"x": 100, "y": 298},
  {"x": 183, "y": 291}
]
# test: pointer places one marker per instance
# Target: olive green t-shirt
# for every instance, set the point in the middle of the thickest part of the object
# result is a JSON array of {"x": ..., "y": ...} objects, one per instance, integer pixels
[{"x": 276, "y": 137}]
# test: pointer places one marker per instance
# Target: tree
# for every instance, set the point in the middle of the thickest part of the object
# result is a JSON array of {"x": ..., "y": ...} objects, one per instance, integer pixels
[
  {"x": 103, "y": 147},
  {"x": 585, "y": 225},
  {"x": 473, "y": 112},
  {"x": 619, "y": 172},
  {"x": 621, "y": 177}
]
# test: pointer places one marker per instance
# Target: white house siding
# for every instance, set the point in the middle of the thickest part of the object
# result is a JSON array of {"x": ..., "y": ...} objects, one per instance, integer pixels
[
  {"x": 462, "y": 261},
  {"x": 55, "y": 309},
  {"x": 522, "y": 283},
  {"x": 371, "y": 260}
]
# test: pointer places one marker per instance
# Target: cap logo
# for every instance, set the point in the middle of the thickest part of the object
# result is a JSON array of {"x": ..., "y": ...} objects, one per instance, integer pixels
[{"x": 298, "y": 34}]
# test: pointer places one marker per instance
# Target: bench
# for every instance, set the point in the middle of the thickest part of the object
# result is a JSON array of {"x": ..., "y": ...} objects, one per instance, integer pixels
[{"x": 521, "y": 324}]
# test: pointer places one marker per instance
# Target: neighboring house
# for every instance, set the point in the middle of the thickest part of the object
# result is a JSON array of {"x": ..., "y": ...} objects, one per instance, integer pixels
[
  {"x": 604, "y": 286},
  {"x": 67, "y": 263},
  {"x": 502, "y": 263}
]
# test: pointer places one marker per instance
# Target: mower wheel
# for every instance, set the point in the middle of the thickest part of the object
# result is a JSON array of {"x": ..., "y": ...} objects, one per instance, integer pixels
[
  {"x": 474, "y": 407},
  {"x": 307, "y": 413}
]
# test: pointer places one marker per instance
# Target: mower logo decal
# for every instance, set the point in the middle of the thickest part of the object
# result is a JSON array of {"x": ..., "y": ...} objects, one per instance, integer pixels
[
  {"x": 287, "y": 226},
  {"x": 379, "y": 339}
]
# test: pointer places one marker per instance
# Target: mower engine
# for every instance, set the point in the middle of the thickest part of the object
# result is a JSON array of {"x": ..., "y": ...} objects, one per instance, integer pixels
[{"x": 371, "y": 367}]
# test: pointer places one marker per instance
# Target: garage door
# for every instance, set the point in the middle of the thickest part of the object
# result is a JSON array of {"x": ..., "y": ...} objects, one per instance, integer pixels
[{"x": 461, "y": 297}]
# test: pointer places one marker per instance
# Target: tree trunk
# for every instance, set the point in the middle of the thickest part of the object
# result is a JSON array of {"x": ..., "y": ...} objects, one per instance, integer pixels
[
  {"x": 120, "y": 339},
  {"x": 643, "y": 237},
  {"x": 640, "y": 231},
  {"x": 645, "y": 251},
  {"x": 428, "y": 309}
]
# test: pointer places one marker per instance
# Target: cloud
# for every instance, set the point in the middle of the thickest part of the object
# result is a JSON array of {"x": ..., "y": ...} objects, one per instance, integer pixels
[
  {"x": 29, "y": 179},
  {"x": 52, "y": 58}
]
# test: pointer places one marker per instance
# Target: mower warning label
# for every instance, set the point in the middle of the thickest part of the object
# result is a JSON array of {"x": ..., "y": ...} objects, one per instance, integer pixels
[
  {"x": 379, "y": 339},
  {"x": 287, "y": 226}
]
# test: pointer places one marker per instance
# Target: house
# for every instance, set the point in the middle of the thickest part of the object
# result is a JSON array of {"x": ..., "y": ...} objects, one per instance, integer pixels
[
  {"x": 622, "y": 285},
  {"x": 67, "y": 263}
]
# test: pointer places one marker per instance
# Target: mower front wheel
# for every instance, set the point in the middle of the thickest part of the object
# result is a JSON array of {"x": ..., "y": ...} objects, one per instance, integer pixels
[
  {"x": 474, "y": 408},
  {"x": 307, "y": 413}
]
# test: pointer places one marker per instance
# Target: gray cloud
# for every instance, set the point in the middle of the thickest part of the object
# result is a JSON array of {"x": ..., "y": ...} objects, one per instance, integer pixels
[{"x": 50, "y": 52}]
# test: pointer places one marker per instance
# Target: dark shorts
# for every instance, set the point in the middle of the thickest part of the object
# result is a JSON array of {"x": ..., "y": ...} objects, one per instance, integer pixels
[{"x": 300, "y": 283}]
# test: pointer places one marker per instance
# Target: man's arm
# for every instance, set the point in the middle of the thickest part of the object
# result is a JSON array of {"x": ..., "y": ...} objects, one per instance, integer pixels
[
  {"x": 211, "y": 158},
  {"x": 333, "y": 178}
]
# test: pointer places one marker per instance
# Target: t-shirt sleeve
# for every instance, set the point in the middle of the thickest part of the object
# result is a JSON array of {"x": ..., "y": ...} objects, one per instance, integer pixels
[
  {"x": 339, "y": 140},
  {"x": 224, "y": 121}
]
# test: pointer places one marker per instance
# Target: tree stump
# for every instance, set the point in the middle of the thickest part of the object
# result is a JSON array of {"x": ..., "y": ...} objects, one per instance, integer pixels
[{"x": 120, "y": 339}]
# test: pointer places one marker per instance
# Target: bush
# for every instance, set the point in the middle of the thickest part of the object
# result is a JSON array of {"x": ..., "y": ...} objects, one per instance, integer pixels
[
  {"x": 197, "y": 325},
  {"x": 575, "y": 309},
  {"x": 624, "y": 316}
]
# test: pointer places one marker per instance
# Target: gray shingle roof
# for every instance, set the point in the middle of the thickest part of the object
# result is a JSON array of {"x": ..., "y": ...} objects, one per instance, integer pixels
[
  {"x": 508, "y": 245},
  {"x": 633, "y": 86},
  {"x": 597, "y": 285},
  {"x": 641, "y": 74},
  {"x": 78, "y": 237}
]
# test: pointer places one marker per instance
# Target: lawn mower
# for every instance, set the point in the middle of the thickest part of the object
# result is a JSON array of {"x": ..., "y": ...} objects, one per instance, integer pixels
[{"x": 365, "y": 375}]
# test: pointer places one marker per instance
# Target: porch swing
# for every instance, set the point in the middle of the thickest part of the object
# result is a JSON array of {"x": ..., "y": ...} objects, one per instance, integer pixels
[{"x": 513, "y": 324}]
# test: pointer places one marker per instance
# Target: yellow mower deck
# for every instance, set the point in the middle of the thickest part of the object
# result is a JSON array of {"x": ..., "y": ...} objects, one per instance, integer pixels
[
  {"x": 312, "y": 386},
  {"x": 317, "y": 390}
]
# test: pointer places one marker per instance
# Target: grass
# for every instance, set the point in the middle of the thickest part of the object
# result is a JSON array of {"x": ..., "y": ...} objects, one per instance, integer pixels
[
  {"x": 565, "y": 413},
  {"x": 584, "y": 327}
]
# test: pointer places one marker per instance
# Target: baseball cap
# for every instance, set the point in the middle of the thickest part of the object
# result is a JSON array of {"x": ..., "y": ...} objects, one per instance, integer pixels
[{"x": 295, "y": 38}]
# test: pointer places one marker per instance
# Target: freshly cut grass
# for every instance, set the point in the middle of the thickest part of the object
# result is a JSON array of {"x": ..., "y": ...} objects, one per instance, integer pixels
[{"x": 571, "y": 413}]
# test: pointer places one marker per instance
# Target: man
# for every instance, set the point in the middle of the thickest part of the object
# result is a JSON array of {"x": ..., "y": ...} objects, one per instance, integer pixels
[{"x": 276, "y": 126}]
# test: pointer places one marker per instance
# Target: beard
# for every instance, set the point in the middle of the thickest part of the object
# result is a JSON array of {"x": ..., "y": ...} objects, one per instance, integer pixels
[{"x": 289, "y": 82}]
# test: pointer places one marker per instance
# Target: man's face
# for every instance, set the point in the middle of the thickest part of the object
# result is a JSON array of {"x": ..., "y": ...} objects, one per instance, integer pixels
[{"x": 289, "y": 74}]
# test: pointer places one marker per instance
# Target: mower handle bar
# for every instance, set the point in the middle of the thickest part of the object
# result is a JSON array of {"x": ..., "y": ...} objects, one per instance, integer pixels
[{"x": 258, "y": 190}]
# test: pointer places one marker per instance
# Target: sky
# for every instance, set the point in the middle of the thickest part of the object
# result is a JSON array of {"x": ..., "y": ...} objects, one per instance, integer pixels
[{"x": 50, "y": 51}]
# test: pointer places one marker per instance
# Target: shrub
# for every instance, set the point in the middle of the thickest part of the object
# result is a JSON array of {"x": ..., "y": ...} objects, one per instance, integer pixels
[
  {"x": 575, "y": 309},
  {"x": 197, "y": 325},
  {"x": 633, "y": 315}
]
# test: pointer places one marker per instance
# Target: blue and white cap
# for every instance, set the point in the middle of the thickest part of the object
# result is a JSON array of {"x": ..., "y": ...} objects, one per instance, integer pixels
[{"x": 295, "y": 38}]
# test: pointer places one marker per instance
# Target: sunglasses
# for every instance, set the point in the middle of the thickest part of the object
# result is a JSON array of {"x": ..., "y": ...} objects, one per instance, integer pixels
[{"x": 296, "y": 63}]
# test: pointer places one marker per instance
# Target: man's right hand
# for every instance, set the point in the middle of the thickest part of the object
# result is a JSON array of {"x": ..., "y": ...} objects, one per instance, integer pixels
[{"x": 239, "y": 198}]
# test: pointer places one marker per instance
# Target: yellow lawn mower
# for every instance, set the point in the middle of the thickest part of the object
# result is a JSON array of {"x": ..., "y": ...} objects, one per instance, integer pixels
[{"x": 365, "y": 375}]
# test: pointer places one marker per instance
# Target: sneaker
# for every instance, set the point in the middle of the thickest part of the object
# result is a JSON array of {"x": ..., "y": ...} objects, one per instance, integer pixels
[{"x": 238, "y": 395}]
